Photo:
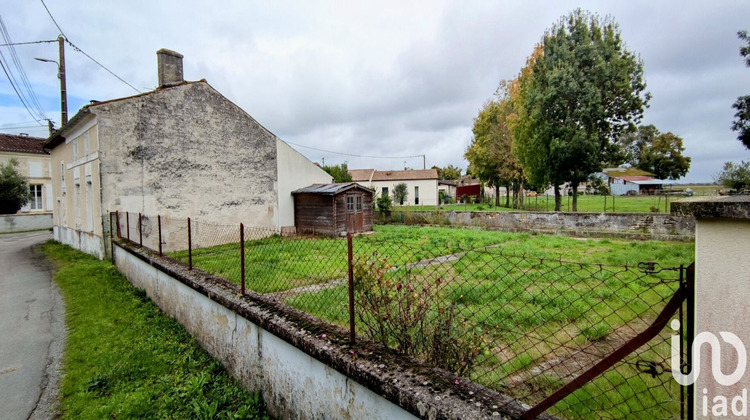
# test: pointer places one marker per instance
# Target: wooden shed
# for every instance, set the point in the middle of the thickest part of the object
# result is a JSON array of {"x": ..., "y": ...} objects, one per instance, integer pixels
[{"x": 333, "y": 209}]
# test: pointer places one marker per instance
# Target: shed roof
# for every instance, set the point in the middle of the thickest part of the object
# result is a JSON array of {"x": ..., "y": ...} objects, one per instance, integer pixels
[
  {"x": 329, "y": 189},
  {"x": 22, "y": 144}
]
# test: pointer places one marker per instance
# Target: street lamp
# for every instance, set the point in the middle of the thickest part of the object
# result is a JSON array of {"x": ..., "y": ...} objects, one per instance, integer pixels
[{"x": 61, "y": 76}]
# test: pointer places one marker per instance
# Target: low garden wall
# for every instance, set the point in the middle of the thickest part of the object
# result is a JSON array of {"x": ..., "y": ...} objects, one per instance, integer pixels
[
  {"x": 304, "y": 368},
  {"x": 25, "y": 222},
  {"x": 636, "y": 225}
]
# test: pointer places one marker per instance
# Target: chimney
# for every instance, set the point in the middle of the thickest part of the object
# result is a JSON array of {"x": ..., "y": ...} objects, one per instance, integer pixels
[{"x": 170, "y": 67}]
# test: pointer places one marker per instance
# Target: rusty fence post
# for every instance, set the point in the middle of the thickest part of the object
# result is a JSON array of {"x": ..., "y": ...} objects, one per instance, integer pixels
[
  {"x": 117, "y": 220},
  {"x": 127, "y": 224},
  {"x": 351, "y": 286},
  {"x": 140, "y": 229},
  {"x": 158, "y": 218},
  {"x": 242, "y": 258},
  {"x": 190, "y": 247}
]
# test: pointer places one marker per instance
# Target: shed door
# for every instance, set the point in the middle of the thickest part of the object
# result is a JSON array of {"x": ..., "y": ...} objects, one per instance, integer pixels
[{"x": 354, "y": 214}]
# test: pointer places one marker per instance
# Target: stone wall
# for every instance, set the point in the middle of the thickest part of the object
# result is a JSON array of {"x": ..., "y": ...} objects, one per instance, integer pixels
[
  {"x": 635, "y": 225},
  {"x": 25, "y": 222}
]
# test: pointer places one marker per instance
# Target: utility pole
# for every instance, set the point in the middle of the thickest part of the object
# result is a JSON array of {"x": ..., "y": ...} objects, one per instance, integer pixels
[
  {"x": 63, "y": 88},
  {"x": 61, "y": 76}
]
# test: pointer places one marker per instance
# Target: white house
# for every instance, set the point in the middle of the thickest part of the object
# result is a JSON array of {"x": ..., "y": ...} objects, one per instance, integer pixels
[
  {"x": 34, "y": 164},
  {"x": 422, "y": 184},
  {"x": 181, "y": 150}
]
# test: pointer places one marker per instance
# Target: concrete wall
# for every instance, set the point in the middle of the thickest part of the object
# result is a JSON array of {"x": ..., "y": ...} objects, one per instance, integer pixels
[
  {"x": 304, "y": 374},
  {"x": 294, "y": 172},
  {"x": 664, "y": 226},
  {"x": 187, "y": 151},
  {"x": 722, "y": 299},
  {"x": 24, "y": 222}
]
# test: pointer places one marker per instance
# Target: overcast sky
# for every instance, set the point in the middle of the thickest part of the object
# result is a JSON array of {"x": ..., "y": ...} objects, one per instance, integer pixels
[{"x": 378, "y": 78}]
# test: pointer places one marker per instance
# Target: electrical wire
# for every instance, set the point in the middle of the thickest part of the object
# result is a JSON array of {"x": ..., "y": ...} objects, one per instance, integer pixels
[
  {"x": 83, "y": 52},
  {"x": 18, "y": 93},
  {"x": 32, "y": 98},
  {"x": 27, "y": 43},
  {"x": 352, "y": 155}
]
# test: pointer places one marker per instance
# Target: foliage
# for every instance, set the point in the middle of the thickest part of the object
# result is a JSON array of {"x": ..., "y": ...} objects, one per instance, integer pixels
[
  {"x": 384, "y": 203},
  {"x": 400, "y": 193},
  {"x": 652, "y": 151},
  {"x": 597, "y": 186},
  {"x": 449, "y": 172},
  {"x": 14, "y": 190},
  {"x": 586, "y": 89},
  {"x": 340, "y": 173},
  {"x": 742, "y": 105},
  {"x": 411, "y": 315},
  {"x": 735, "y": 176},
  {"x": 126, "y": 359}
]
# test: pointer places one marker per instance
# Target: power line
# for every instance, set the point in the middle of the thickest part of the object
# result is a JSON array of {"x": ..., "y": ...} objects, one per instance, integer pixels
[
  {"x": 352, "y": 155},
  {"x": 26, "y": 43},
  {"x": 17, "y": 93},
  {"x": 21, "y": 72},
  {"x": 83, "y": 52}
]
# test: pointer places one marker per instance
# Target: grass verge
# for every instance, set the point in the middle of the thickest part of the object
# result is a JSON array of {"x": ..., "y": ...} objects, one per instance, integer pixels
[{"x": 126, "y": 359}]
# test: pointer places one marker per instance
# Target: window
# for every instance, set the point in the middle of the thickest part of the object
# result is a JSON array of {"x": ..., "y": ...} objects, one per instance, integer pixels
[
  {"x": 385, "y": 191},
  {"x": 416, "y": 195},
  {"x": 75, "y": 149},
  {"x": 359, "y": 203},
  {"x": 62, "y": 177},
  {"x": 35, "y": 197},
  {"x": 349, "y": 203},
  {"x": 86, "y": 143}
]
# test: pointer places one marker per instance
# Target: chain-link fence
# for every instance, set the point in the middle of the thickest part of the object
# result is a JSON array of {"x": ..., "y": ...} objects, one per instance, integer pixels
[{"x": 528, "y": 327}]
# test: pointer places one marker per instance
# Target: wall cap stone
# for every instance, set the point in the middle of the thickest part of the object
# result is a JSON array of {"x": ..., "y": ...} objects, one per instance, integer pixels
[{"x": 728, "y": 207}]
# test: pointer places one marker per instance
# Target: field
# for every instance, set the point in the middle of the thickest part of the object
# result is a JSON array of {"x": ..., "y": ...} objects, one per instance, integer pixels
[
  {"x": 523, "y": 299},
  {"x": 586, "y": 203}
]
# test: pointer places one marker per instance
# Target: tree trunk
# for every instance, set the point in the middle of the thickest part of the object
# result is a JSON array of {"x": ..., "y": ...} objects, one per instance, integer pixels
[
  {"x": 521, "y": 195},
  {"x": 558, "y": 198},
  {"x": 507, "y": 196},
  {"x": 574, "y": 185},
  {"x": 497, "y": 196}
]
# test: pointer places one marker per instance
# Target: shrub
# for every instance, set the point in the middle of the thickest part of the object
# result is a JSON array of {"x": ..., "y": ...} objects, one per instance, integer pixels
[
  {"x": 409, "y": 313},
  {"x": 384, "y": 204}
]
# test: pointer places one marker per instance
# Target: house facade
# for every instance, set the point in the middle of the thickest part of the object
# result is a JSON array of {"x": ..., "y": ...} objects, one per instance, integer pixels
[
  {"x": 34, "y": 164},
  {"x": 422, "y": 184},
  {"x": 182, "y": 150}
]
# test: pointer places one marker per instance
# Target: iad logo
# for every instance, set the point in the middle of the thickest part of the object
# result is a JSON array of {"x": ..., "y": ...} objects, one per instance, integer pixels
[{"x": 720, "y": 403}]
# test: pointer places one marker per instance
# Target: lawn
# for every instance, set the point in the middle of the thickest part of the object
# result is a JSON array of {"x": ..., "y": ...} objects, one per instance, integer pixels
[
  {"x": 524, "y": 299},
  {"x": 126, "y": 359}
]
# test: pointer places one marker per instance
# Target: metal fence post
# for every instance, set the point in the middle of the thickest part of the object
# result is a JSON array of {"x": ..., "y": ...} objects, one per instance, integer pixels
[
  {"x": 140, "y": 229},
  {"x": 158, "y": 218},
  {"x": 190, "y": 247},
  {"x": 127, "y": 223},
  {"x": 242, "y": 258},
  {"x": 351, "y": 286},
  {"x": 117, "y": 219}
]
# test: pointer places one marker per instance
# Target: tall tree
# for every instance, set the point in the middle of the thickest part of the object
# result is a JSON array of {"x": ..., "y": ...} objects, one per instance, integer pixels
[
  {"x": 14, "y": 190},
  {"x": 449, "y": 172},
  {"x": 742, "y": 105},
  {"x": 339, "y": 173},
  {"x": 587, "y": 89},
  {"x": 652, "y": 151}
]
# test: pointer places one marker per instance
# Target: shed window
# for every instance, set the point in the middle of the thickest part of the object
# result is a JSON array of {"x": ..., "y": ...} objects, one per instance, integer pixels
[
  {"x": 350, "y": 203},
  {"x": 359, "y": 203}
]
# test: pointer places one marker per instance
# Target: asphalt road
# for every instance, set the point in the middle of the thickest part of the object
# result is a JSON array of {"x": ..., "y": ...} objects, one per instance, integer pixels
[{"x": 32, "y": 330}]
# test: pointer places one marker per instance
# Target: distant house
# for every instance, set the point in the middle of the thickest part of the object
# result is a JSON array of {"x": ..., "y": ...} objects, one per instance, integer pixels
[
  {"x": 469, "y": 187},
  {"x": 181, "y": 150},
  {"x": 34, "y": 164},
  {"x": 448, "y": 188},
  {"x": 333, "y": 209},
  {"x": 422, "y": 184},
  {"x": 632, "y": 181}
]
